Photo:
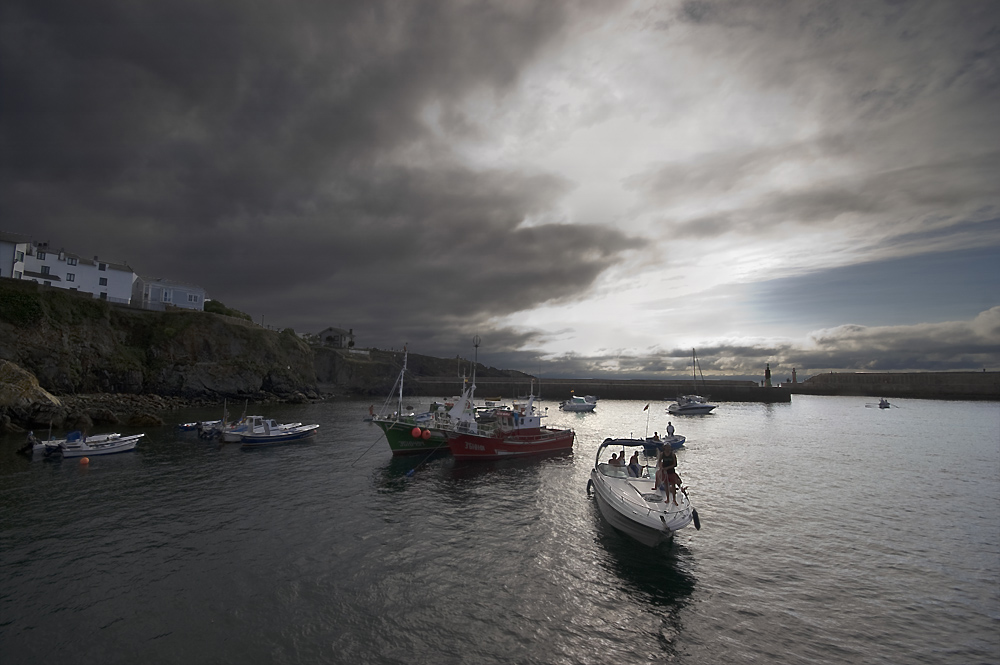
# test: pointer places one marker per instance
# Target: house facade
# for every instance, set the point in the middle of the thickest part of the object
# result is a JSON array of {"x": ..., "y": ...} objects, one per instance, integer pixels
[
  {"x": 13, "y": 248},
  {"x": 338, "y": 338},
  {"x": 159, "y": 293},
  {"x": 38, "y": 263}
]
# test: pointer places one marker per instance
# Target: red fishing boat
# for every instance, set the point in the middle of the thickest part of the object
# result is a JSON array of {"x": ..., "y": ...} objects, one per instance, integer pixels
[{"x": 515, "y": 432}]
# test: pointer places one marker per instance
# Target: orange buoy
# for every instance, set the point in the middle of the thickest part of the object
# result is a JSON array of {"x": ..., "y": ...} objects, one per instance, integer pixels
[
  {"x": 415, "y": 432},
  {"x": 426, "y": 434},
  {"x": 84, "y": 460}
]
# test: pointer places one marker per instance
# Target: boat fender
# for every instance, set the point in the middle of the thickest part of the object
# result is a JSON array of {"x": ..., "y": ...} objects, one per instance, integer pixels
[
  {"x": 694, "y": 516},
  {"x": 426, "y": 434},
  {"x": 590, "y": 487},
  {"x": 415, "y": 432}
]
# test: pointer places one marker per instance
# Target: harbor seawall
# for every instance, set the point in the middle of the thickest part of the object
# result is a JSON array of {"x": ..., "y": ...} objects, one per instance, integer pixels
[
  {"x": 923, "y": 385},
  {"x": 561, "y": 389}
]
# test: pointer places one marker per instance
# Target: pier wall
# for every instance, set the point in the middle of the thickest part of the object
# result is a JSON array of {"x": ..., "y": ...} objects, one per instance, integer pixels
[
  {"x": 924, "y": 385},
  {"x": 561, "y": 389}
]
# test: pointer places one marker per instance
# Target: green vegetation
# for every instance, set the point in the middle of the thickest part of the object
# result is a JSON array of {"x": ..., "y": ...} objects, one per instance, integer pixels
[
  {"x": 216, "y": 307},
  {"x": 20, "y": 308}
]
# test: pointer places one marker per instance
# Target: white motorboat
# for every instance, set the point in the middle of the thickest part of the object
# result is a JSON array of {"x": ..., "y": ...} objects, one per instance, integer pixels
[
  {"x": 577, "y": 403},
  {"x": 630, "y": 504},
  {"x": 77, "y": 445},
  {"x": 234, "y": 432},
  {"x": 250, "y": 425},
  {"x": 688, "y": 405},
  {"x": 692, "y": 405}
]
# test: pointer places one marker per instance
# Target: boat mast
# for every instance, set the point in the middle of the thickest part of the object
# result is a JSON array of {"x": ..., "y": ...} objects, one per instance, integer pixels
[
  {"x": 475, "y": 342},
  {"x": 399, "y": 408}
]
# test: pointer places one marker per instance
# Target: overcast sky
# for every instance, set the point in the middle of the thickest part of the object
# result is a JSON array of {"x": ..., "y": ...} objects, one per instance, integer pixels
[{"x": 594, "y": 188}]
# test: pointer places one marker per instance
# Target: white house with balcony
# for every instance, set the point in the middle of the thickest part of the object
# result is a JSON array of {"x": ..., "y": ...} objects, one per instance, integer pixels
[
  {"x": 338, "y": 338},
  {"x": 158, "y": 293},
  {"x": 61, "y": 269}
]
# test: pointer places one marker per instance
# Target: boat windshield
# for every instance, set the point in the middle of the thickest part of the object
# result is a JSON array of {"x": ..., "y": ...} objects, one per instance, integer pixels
[{"x": 613, "y": 471}]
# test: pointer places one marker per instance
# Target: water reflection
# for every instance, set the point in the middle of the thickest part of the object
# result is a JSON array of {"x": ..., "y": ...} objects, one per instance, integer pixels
[
  {"x": 657, "y": 572},
  {"x": 394, "y": 474}
]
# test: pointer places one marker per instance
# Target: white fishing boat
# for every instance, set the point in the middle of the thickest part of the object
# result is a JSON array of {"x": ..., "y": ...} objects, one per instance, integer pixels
[
  {"x": 690, "y": 405},
  {"x": 629, "y": 502},
  {"x": 77, "y": 445},
  {"x": 577, "y": 403}
]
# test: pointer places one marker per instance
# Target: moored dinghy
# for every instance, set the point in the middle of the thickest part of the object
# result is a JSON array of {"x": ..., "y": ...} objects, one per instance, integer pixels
[
  {"x": 630, "y": 504},
  {"x": 77, "y": 445},
  {"x": 267, "y": 432}
]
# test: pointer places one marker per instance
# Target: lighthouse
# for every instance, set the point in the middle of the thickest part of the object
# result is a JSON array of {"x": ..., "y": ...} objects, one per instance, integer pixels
[{"x": 767, "y": 376}]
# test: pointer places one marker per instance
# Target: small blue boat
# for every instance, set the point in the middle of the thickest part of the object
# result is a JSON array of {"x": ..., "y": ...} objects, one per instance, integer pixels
[
  {"x": 270, "y": 433},
  {"x": 652, "y": 446}
]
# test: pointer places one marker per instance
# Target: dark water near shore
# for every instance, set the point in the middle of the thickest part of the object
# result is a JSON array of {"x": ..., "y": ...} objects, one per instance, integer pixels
[{"x": 831, "y": 533}]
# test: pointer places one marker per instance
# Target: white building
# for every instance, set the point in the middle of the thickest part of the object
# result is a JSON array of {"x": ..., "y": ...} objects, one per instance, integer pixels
[
  {"x": 158, "y": 293},
  {"x": 13, "y": 248},
  {"x": 61, "y": 269},
  {"x": 337, "y": 337}
]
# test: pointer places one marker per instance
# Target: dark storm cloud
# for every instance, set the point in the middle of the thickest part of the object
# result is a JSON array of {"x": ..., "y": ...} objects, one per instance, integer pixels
[
  {"x": 275, "y": 153},
  {"x": 899, "y": 101}
]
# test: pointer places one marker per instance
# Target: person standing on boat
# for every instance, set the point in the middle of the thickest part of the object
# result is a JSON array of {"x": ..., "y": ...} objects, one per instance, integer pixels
[
  {"x": 666, "y": 474},
  {"x": 670, "y": 428}
]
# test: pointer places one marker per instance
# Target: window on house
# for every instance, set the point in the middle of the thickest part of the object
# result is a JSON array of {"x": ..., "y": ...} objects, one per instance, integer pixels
[
  {"x": 166, "y": 295},
  {"x": 19, "y": 256},
  {"x": 103, "y": 281},
  {"x": 71, "y": 261},
  {"x": 45, "y": 270},
  {"x": 102, "y": 266},
  {"x": 17, "y": 274},
  {"x": 192, "y": 297},
  {"x": 41, "y": 256},
  {"x": 70, "y": 277},
  {"x": 104, "y": 295}
]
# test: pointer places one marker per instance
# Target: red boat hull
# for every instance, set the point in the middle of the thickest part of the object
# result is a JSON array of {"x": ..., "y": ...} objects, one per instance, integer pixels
[{"x": 509, "y": 445}]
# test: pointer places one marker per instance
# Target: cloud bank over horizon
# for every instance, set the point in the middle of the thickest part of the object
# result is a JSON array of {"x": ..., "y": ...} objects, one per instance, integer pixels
[{"x": 593, "y": 189}]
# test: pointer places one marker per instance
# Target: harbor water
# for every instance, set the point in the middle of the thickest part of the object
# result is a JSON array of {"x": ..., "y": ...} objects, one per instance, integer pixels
[{"x": 831, "y": 532}]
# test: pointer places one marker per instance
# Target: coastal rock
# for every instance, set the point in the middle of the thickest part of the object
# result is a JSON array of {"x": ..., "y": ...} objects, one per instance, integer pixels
[
  {"x": 145, "y": 420},
  {"x": 8, "y": 427},
  {"x": 78, "y": 420},
  {"x": 24, "y": 401},
  {"x": 103, "y": 417}
]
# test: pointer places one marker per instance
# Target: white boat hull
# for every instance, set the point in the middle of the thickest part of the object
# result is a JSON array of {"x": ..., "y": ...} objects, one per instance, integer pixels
[
  {"x": 638, "y": 511},
  {"x": 284, "y": 435},
  {"x": 101, "y": 444}
]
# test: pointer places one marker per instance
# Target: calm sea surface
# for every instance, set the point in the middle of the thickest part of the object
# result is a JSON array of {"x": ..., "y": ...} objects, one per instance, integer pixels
[{"x": 831, "y": 533}]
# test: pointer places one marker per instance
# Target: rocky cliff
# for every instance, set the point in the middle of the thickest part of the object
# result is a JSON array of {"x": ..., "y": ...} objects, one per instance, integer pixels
[{"x": 73, "y": 344}]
